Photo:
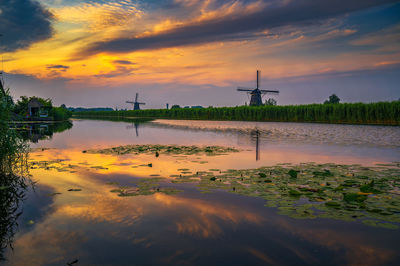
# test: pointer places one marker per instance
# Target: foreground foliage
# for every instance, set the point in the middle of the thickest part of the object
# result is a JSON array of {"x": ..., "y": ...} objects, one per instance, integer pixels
[{"x": 13, "y": 172}]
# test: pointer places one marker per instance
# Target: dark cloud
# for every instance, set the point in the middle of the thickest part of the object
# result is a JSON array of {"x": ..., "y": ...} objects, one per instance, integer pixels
[
  {"x": 118, "y": 72},
  {"x": 23, "y": 22},
  {"x": 61, "y": 67},
  {"x": 276, "y": 14},
  {"x": 55, "y": 71},
  {"x": 123, "y": 62}
]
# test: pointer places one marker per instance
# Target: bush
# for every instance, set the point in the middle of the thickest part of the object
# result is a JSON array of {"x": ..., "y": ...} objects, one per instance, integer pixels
[{"x": 60, "y": 114}]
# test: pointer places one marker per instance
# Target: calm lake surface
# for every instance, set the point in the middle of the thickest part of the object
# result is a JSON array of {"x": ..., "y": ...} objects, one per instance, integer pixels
[{"x": 97, "y": 227}]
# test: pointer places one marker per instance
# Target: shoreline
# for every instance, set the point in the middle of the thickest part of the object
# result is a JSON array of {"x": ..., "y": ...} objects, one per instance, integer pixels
[{"x": 121, "y": 118}]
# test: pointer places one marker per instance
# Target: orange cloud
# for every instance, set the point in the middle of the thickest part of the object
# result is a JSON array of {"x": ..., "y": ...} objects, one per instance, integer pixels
[
  {"x": 202, "y": 220},
  {"x": 279, "y": 54},
  {"x": 97, "y": 17}
]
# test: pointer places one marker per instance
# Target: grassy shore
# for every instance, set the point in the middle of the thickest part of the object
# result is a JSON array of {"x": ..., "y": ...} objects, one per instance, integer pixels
[{"x": 380, "y": 113}]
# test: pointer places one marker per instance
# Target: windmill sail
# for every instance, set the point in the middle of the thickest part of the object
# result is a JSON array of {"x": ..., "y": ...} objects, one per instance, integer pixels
[
  {"x": 244, "y": 89},
  {"x": 270, "y": 91}
]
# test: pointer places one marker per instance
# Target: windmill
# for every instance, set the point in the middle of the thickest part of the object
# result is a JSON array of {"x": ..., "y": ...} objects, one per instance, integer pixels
[
  {"x": 136, "y": 104},
  {"x": 256, "y": 94}
]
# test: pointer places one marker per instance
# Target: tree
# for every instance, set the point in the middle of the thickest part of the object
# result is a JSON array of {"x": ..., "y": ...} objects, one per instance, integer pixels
[
  {"x": 21, "y": 106},
  {"x": 270, "y": 101},
  {"x": 332, "y": 99}
]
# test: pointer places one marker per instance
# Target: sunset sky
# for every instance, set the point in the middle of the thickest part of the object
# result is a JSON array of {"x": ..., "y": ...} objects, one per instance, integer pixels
[{"x": 192, "y": 52}]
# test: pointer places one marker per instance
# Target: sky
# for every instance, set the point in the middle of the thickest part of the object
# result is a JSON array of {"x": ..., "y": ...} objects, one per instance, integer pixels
[{"x": 192, "y": 52}]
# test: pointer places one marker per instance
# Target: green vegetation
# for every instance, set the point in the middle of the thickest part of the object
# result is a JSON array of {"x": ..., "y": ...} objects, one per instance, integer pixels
[
  {"x": 60, "y": 114},
  {"x": 271, "y": 101},
  {"x": 333, "y": 99},
  {"x": 21, "y": 106},
  {"x": 12, "y": 147},
  {"x": 307, "y": 191},
  {"x": 144, "y": 186},
  {"x": 381, "y": 113},
  {"x": 21, "y": 111},
  {"x": 164, "y": 149},
  {"x": 13, "y": 169}
]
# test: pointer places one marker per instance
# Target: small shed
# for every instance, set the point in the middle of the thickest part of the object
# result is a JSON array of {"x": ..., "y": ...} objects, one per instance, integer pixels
[{"x": 36, "y": 109}]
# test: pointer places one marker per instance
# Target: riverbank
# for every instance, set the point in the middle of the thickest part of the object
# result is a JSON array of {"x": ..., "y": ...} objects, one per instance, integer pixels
[{"x": 381, "y": 113}]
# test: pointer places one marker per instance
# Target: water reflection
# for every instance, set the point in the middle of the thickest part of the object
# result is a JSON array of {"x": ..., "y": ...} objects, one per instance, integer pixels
[
  {"x": 98, "y": 227},
  {"x": 15, "y": 178},
  {"x": 12, "y": 193},
  {"x": 13, "y": 183},
  {"x": 180, "y": 229},
  {"x": 135, "y": 122},
  {"x": 282, "y": 132},
  {"x": 255, "y": 135},
  {"x": 119, "y": 119},
  {"x": 134, "y": 126},
  {"x": 41, "y": 131}
]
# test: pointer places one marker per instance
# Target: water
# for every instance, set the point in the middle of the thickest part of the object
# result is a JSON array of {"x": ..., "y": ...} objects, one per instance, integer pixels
[{"x": 98, "y": 227}]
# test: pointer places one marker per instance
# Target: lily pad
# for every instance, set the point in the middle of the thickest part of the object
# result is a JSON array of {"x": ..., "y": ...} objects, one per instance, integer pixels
[
  {"x": 336, "y": 191},
  {"x": 164, "y": 149}
]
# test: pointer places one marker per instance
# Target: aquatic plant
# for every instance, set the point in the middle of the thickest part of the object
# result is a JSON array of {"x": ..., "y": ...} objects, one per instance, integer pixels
[
  {"x": 164, "y": 149},
  {"x": 308, "y": 191},
  {"x": 292, "y": 173},
  {"x": 144, "y": 186}
]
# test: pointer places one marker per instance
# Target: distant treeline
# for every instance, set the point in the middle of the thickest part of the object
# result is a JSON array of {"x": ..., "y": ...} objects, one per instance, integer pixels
[
  {"x": 82, "y": 109},
  {"x": 380, "y": 113}
]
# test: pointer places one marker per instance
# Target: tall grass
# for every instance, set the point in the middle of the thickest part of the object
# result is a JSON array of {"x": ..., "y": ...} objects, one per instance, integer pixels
[
  {"x": 13, "y": 172},
  {"x": 380, "y": 113}
]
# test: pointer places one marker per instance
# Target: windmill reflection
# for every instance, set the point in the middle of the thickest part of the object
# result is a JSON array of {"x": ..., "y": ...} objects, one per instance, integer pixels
[
  {"x": 255, "y": 136},
  {"x": 135, "y": 126}
]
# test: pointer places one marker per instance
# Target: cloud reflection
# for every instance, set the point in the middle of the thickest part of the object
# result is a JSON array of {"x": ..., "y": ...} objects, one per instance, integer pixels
[{"x": 202, "y": 216}]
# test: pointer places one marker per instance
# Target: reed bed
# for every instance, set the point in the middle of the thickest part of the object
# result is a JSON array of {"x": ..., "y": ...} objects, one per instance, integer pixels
[{"x": 380, "y": 113}]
